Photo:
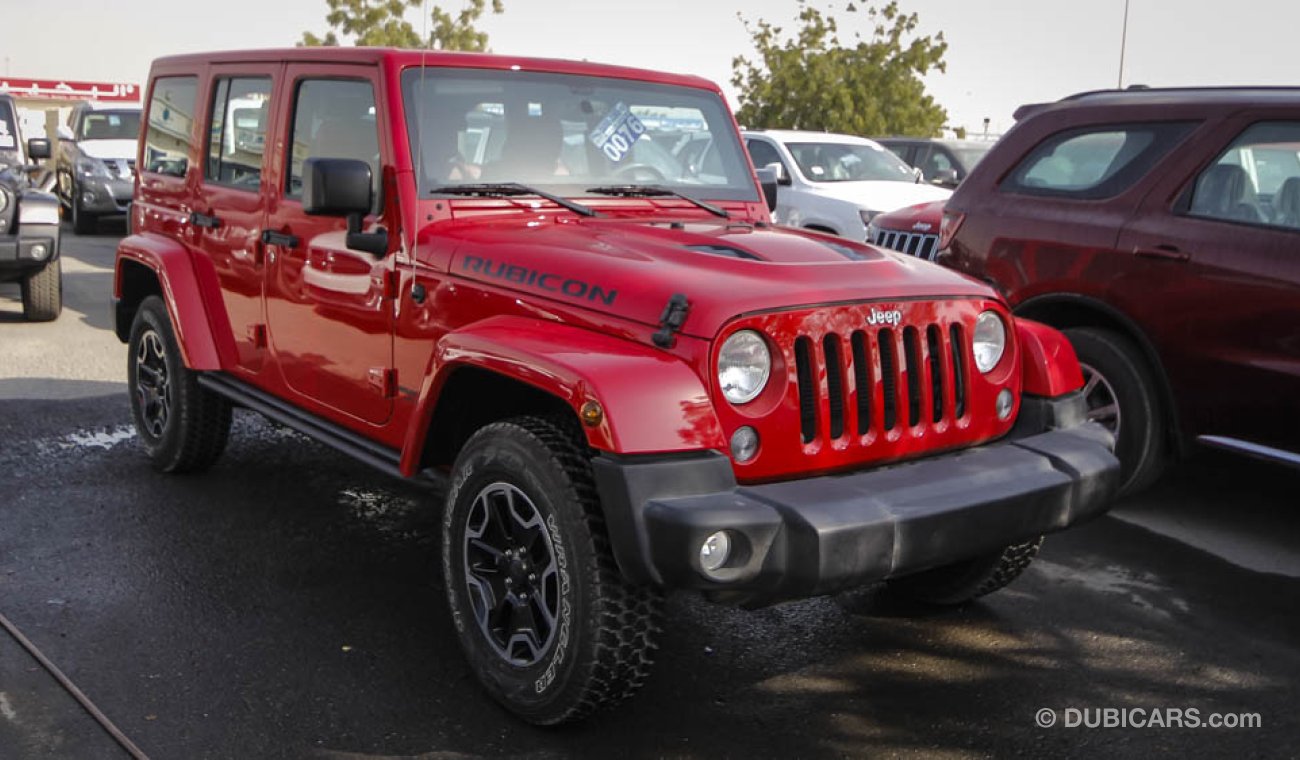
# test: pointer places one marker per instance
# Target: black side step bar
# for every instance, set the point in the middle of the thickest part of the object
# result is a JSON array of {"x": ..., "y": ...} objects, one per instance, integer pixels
[{"x": 335, "y": 436}]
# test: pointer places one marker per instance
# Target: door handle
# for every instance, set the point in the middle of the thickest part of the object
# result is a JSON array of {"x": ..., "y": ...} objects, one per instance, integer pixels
[
  {"x": 204, "y": 220},
  {"x": 282, "y": 239},
  {"x": 1166, "y": 252}
]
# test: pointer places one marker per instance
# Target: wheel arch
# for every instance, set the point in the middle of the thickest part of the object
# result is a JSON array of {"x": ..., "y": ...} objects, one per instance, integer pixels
[
  {"x": 151, "y": 265},
  {"x": 651, "y": 401},
  {"x": 1065, "y": 310}
]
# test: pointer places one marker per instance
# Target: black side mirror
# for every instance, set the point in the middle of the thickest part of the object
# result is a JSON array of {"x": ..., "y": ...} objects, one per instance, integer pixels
[
  {"x": 38, "y": 149},
  {"x": 342, "y": 187},
  {"x": 767, "y": 181}
]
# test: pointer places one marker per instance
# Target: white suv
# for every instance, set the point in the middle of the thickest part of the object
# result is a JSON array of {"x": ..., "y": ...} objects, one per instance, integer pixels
[{"x": 836, "y": 183}]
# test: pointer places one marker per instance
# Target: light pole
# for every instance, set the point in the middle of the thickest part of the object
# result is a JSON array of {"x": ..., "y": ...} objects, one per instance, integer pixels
[{"x": 1123, "y": 43}]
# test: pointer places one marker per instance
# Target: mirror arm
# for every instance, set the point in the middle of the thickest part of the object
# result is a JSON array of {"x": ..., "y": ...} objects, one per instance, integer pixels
[{"x": 374, "y": 243}]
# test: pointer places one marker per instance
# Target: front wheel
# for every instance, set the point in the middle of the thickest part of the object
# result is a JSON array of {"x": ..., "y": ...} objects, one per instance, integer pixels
[
  {"x": 83, "y": 222},
  {"x": 547, "y": 622},
  {"x": 43, "y": 293},
  {"x": 961, "y": 582},
  {"x": 182, "y": 425}
]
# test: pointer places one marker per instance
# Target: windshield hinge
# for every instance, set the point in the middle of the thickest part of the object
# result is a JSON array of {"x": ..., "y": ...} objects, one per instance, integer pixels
[{"x": 671, "y": 321}]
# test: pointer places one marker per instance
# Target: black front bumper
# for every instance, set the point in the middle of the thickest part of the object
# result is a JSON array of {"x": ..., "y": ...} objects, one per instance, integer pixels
[
  {"x": 819, "y": 535},
  {"x": 18, "y": 255}
]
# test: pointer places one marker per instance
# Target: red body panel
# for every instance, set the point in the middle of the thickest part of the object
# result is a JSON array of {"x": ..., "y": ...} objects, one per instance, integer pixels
[
  {"x": 923, "y": 217},
  {"x": 536, "y": 293},
  {"x": 1049, "y": 367}
]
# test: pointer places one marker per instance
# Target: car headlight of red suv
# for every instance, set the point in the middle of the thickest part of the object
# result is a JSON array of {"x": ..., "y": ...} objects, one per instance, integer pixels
[
  {"x": 744, "y": 365},
  {"x": 989, "y": 341}
]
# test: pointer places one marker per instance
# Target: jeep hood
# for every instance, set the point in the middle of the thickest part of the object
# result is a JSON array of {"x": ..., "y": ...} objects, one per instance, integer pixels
[
  {"x": 881, "y": 195},
  {"x": 630, "y": 268},
  {"x": 122, "y": 150}
]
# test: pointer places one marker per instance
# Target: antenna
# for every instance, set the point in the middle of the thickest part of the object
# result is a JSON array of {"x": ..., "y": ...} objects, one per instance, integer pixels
[{"x": 1123, "y": 43}]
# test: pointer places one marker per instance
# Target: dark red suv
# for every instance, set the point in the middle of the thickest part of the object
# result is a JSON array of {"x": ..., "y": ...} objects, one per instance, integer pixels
[{"x": 1161, "y": 230}]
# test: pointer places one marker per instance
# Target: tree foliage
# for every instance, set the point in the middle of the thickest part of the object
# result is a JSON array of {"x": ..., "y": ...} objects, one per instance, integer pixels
[
  {"x": 382, "y": 23},
  {"x": 811, "y": 80}
]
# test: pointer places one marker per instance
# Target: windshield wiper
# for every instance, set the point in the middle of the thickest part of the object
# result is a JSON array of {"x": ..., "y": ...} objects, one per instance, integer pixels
[
  {"x": 651, "y": 191},
  {"x": 512, "y": 188}
]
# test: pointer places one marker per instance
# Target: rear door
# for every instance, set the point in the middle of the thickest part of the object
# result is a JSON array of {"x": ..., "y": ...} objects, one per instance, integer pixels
[
  {"x": 1224, "y": 228},
  {"x": 230, "y": 205},
  {"x": 329, "y": 311}
]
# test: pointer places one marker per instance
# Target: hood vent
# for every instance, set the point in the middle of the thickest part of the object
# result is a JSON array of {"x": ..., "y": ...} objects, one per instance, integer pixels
[
  {"x": 845, "y": 251},
  {"x": 723, "y": 250}
]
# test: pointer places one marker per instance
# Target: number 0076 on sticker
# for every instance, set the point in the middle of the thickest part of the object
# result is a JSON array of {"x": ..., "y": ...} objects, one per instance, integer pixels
[{"x": 616, "y": 132}]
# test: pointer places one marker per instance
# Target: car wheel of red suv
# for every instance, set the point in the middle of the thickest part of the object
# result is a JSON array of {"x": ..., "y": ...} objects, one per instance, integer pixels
[
  {"x": 546, "y": 620},
  {"x": 1120, "y": 391}
]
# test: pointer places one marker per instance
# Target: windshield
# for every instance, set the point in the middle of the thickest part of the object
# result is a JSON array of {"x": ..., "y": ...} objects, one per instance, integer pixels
[
  {"x": 110, "y": 125},
  {"x": 848, "y": 162},
  {"x": 8, "y": 134},
  {"x": 565, "y": 133}
]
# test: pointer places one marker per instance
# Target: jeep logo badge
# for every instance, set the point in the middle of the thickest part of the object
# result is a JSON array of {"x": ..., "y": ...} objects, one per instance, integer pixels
[
  {"x": 921, "y": 227},
  {"x": 891, "y": 318}
]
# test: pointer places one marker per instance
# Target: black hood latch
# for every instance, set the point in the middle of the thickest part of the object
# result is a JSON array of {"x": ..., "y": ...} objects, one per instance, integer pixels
[{"x": 671, "y": 321}]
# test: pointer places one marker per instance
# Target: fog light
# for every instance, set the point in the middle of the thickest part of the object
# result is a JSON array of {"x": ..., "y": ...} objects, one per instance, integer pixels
[
  {"x": 1005, "y": 403},
  {"x": 744, "y": 444},
  {"x": 87, "y": 198},
  {"x": 715, "y": 551},
  {"x": 39, "y": 251}
]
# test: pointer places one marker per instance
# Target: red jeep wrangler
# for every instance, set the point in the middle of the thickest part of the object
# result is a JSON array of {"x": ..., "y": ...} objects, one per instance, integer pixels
[{"x": 502, "y": 275}]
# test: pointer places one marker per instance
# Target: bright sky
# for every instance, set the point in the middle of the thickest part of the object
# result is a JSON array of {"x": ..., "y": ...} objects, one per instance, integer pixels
[{"x": 1002, "y": 52}]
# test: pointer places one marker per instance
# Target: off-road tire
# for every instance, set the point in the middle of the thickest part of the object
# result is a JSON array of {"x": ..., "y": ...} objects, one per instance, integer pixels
[
  {"x": 43, "y": 293},
  {"x": 606, "y": 633},
  {"x": 1140, "y": 447},
  {"x": 197, "y": 425},
  {"x": 964, "y": 581},
  {"x": 83, "y": 222}
]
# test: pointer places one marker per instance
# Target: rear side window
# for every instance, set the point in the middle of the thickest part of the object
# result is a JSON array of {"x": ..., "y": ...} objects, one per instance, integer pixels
[
  {"x": 1094, "y": 162},
  {"x": 333, "y": 118},
  {"x": 762, "y": 153},
  {"x": 171, "y": 118},
  {"x": 1256, "y": 180},
  {"x": 237, "y": 132}
]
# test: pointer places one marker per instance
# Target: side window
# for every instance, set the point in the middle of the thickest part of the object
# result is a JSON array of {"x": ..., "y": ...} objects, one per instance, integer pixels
[
  {"x": 762, "y": 153},
  {"x": 237, "y": 131},
  {"x": 333, "y": 118},
  {"x": 937, "y": 161},
  {"x": 1256, "y": 180},
  {"x": 170, "y": 122},
  {"x": 1094, "y": 162}
]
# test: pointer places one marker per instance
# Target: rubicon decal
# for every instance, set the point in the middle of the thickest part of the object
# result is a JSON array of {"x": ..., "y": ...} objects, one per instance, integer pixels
[
  {"x": 892, "y": 318},
  {"x": 533, "y": 278}
]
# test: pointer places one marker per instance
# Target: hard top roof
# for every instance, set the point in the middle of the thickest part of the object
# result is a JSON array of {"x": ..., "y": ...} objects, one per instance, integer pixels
[{"x": 405, "y": 57}]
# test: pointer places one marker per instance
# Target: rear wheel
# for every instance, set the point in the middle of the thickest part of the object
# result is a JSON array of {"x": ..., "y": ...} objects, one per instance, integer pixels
[
  {"x": 182, "y": 425},
  {"x": 1120, "y": 392},
  {"x": 963, "y": 581},
  {"x": 43, "y": 293},
  {"x": 546, "y": 620}
]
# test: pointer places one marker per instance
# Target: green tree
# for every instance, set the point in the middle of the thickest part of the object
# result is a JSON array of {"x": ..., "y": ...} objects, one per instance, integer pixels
[
  {"x": 813, "y": 81},
  {"x": 382, "y": 23}
]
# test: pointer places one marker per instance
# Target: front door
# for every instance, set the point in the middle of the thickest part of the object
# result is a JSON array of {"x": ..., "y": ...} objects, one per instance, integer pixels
[{"x": 329, "y": 314}]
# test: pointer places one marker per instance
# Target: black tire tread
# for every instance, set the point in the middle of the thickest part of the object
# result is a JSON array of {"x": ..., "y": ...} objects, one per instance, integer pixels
[
  {"x": 1143, "y": 470},
  {"x": 42, "y": 293},
  {"x": 630, "y": 616},
  {"x": 969, "y": 580},
  {"x": 205, "y": 417}
]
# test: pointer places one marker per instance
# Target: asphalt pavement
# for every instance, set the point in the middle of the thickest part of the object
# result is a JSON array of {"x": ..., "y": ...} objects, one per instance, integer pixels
[{"x": 288, "y": 603}]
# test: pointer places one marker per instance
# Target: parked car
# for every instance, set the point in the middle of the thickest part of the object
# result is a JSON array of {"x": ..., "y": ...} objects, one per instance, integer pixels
[
  {"x": 29, "y": 223},
  {"x": 1159, "y": 229},
  {"x": 913, "y": 230},
  {"x": 487, "y": 273},
  {"x": 95, "y": 164},
  {"x": 836, "y": 183},
  {"x": 944, "y": 162}
]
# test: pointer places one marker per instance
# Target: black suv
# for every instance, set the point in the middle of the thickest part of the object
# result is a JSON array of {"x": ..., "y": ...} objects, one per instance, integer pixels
[
  {"x": 943, "y": 162},
  {"x": 29, "y": 223}
]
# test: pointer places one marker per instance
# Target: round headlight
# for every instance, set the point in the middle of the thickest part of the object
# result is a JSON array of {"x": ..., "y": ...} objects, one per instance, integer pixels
[
  {"x": 990, "y": 341},
  {"x": 744, "y": 365},
  {"x": 4, "y": 200}
]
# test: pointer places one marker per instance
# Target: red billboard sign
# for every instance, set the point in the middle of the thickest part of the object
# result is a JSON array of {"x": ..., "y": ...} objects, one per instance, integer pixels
[{"x": 66, "y": 89}]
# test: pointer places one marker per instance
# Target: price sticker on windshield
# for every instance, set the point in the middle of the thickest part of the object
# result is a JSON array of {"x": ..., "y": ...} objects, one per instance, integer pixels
[{"x": 616, "y": 132}]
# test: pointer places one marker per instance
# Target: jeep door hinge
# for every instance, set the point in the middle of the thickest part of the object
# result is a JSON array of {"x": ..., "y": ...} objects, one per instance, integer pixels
[
  {"x": 671, "y": 321},
  {"x": 392, "y": 283},
  {"x": 384, "y": 380}
]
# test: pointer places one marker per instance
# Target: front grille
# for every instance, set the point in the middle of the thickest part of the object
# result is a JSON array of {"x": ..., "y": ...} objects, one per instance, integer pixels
[
  {"x": 900, "y": 376},
  {"x": 921, "y": 245}
]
